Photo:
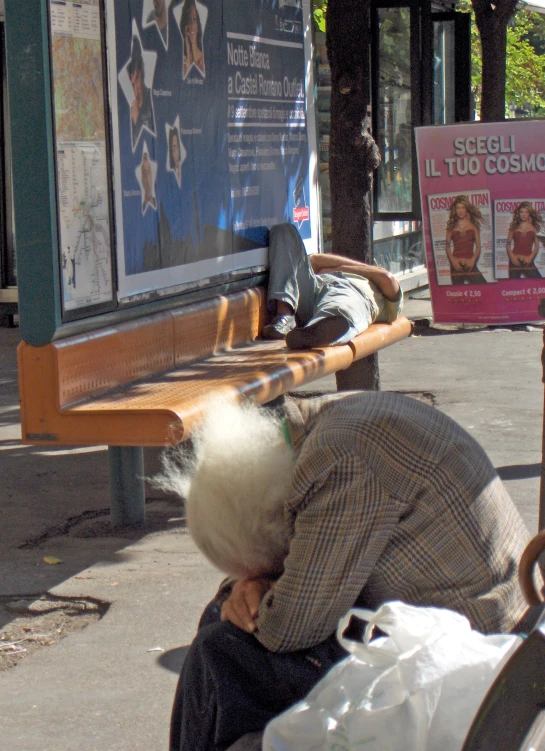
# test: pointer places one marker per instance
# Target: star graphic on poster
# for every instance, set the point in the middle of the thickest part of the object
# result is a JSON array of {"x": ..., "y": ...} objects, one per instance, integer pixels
[
  {"x": 191, "y": 19},
  {"x": 146, "y": 174},
  {"x": 176, "y": 152},
  {"x": 136, "y": 81},
  {"x": 155, "y": 12}
]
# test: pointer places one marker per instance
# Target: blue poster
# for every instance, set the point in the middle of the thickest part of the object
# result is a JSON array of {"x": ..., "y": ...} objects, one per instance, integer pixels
[{"x": 209, "y": 135}]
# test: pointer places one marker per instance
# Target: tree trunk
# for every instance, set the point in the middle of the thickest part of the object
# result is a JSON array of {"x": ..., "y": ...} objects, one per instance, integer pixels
[
  {"x": 353, "y": 154},
  {"x": 492, "y": 21}
]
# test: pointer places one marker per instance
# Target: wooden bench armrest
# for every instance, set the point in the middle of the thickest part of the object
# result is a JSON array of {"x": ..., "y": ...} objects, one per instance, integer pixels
[{"x": 528, "y": 561}]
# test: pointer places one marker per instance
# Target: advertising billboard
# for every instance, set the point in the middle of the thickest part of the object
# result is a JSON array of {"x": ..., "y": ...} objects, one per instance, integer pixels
[
  {"x": 213, "y": 138},
  {"x": 483, "y": 208}
]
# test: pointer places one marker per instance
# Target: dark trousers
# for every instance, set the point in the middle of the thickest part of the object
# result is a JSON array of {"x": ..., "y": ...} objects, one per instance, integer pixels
[
  {"x": 524, "y": 272},
  {"x": 230, "y": 685},
  {"x": 467, "y": 277},
  {"x": 292, "y": 280}
]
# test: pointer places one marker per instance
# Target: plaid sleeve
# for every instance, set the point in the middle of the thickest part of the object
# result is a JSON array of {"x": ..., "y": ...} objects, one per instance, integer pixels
[{"x": 341, "y": 529}]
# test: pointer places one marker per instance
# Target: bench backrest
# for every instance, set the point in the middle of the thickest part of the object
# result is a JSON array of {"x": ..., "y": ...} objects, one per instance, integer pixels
[{"x": 93, "y": 363}]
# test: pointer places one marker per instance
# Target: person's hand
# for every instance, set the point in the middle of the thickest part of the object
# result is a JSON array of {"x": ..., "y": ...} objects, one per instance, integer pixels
[
  {"x": 457, "y": 265},
  {"x": 242, "y": 606},
  {"x": 134, "y": 111},
  {"x": 522, "y": 262}
]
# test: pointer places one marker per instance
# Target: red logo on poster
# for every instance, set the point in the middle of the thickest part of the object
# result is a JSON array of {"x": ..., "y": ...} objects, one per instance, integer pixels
[{"x": 301, "y": 214}]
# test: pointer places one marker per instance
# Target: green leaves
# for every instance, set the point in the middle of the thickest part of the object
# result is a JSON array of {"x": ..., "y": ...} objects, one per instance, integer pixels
[
  {"x": 525, "y": 75},
  {"x": 525, "y": 88},
  {"x": 319, "y": 8}
]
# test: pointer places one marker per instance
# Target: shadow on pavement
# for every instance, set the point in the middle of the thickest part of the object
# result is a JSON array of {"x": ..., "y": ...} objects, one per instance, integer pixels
[
  {"x": 519, "y": 471},
  {"x": 424, "y": 327},
  {"x": 173, "y": 659}
]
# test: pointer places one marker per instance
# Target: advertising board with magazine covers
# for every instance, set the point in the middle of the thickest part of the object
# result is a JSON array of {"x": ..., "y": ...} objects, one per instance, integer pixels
[{"x": 483, "y": 210}]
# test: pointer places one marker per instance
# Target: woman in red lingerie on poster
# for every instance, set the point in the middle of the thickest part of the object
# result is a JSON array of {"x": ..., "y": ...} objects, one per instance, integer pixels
[
  {"x": 463, "y": 242},
  {"x": 522, "y": 242}
]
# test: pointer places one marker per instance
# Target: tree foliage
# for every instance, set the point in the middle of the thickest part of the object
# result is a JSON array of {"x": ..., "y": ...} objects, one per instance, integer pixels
[
  {"x": 536, "y": 33},
  {"x": 525, "y": 64},
  {"x": 319, "y": 8},
  {"x": 525, "y": 68}
]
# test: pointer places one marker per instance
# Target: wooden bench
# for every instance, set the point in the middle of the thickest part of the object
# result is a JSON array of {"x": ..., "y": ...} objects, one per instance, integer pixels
[{"x": 144, "y": 382}]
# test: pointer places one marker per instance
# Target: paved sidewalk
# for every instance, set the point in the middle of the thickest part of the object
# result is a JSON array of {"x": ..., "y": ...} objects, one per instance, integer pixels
[{"x": 101, "y": 688}]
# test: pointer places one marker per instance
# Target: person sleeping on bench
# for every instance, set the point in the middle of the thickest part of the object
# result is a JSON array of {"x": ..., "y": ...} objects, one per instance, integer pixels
[{"x": 323, "y": 299}]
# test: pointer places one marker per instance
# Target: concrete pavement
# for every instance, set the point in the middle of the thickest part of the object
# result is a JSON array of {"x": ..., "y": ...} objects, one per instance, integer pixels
[{"x": 101, "y": 688}]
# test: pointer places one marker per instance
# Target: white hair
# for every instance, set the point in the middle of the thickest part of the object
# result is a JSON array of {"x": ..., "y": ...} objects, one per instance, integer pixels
[{"x": 235, "y": 485}]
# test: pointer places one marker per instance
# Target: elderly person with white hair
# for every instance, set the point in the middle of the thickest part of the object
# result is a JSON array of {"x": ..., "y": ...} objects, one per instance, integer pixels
[{"x": 328, "y": 503}]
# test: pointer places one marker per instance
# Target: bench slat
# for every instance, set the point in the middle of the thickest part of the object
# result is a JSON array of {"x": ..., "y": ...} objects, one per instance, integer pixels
[
  {"x": 163, "y": 408},
  {"x": 223, "y": 323},
  {"x": 94, "y": 363},
  {"x": 262, "y": 371}
]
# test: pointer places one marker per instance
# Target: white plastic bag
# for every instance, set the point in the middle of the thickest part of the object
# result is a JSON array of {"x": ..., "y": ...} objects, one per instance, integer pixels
[{"x": 416, "y": 689}]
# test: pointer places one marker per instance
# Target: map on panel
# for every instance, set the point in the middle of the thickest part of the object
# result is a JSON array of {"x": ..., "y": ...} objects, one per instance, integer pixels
[{"x": 84, "y": 209}]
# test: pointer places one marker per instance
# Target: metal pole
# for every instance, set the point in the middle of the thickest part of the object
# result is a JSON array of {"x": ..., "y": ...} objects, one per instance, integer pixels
[{"x": 128, "y": 501}]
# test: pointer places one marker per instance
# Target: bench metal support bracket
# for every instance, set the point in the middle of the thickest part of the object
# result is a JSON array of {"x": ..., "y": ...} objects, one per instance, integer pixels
[{"x": 128, "y": 500}]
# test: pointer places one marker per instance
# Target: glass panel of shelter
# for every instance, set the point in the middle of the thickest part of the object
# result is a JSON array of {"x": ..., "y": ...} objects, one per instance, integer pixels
[
  {"x": 394, "y": 116},
  {"x": 416, "y": 55},
  {"x": 443, "y": 72}
]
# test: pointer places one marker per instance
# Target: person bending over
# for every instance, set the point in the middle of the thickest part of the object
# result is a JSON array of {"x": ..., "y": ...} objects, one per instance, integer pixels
[
  {"x": 323, "y": 299},
  {"x": 351, "y": 499}
]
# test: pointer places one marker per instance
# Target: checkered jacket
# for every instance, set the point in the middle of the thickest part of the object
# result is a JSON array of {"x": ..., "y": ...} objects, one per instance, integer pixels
[{"x": 390, "y": 500}]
